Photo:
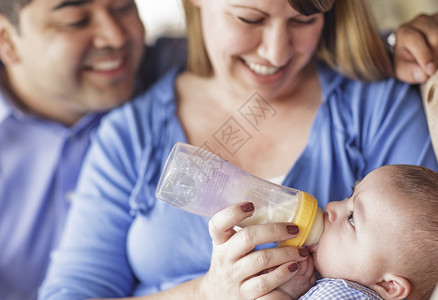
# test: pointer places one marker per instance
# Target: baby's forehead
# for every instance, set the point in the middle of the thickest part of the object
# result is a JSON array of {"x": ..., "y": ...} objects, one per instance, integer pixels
[
  {"x": 378, "y": 179},
  {"x": 378, "y": 195}
]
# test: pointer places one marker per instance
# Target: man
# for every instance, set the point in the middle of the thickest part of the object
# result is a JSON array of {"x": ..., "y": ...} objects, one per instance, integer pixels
[{"x": 66, "y": 62}]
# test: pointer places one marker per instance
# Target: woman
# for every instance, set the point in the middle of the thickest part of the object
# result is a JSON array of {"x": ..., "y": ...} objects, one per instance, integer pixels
[{"x": 261, "y": 90}]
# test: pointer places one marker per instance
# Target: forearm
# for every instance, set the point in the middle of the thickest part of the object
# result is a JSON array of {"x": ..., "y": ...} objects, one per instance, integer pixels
[{"x": 187, "y": 290}]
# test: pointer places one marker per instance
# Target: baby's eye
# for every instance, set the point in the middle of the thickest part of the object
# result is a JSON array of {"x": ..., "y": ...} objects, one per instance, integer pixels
[{"x": 351, "y": 219}]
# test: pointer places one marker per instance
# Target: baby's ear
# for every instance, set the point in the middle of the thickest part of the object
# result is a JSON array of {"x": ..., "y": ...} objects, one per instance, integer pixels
[{"x": 393, "y": 287}]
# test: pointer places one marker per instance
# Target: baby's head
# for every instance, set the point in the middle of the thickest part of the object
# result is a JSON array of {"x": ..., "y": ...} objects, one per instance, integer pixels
[{"x": 385, "y": 236}]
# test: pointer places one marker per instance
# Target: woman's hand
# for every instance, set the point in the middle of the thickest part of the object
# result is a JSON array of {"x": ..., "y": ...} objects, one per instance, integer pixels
[
  {"x": 239, "y": 272},
  {"x": 416, "y": 49},
  {"x": 299, "y": 284}
]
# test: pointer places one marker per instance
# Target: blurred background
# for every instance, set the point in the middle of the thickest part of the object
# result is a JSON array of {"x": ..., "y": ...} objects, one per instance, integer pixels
[
  {"x": 166, "y": 17},
  {"x": 390, "y": 13},
  {"x": 161, "y": 18}
]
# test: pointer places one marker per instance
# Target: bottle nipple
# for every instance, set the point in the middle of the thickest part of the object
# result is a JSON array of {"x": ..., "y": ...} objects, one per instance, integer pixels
[{"x": 316, "y": 230}]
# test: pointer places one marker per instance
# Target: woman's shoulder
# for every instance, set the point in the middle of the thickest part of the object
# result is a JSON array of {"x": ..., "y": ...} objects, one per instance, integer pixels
[
  {"x": 159, "y": 96},
  {"x": 362, "y": 109},
  {"x": 143, "y": 120},
  {"x": 332, "y": 78},
  {"x": 346, "y": 92}
]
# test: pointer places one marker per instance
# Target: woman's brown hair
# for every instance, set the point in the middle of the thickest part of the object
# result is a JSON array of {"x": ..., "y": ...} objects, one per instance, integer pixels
[{"x": 350, "y": 40}]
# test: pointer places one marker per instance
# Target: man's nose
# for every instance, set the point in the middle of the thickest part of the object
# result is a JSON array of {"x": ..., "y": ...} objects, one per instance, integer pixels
[{"x": 110, "y": 32}]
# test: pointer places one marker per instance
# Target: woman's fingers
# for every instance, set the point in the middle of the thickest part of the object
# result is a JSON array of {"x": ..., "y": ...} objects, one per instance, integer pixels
[
  {"x": 268, "y": 259},
  {"x": 302, "y": 280},
  {"x": 236, "y": 268},
  {"x": 246, "y": 239},
  {"x": 263, "y": 284},
  {"x": 221, "y": 229},
  {"x": 221, "y": 224}
]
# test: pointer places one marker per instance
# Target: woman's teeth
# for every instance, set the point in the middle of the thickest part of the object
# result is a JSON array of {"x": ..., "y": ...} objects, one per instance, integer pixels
[
  {"x": 107, "y": 65},
  {"x": 261, "y": 69}
]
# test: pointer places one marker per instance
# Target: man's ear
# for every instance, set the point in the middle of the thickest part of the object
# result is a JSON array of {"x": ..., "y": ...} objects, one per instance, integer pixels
[
  {"x": 393, "y": 287},
  {"x": 8, "y": 54}
]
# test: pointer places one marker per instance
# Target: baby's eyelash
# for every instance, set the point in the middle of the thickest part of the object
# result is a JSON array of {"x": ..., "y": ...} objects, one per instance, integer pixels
[{"x": 351, "y": 219}]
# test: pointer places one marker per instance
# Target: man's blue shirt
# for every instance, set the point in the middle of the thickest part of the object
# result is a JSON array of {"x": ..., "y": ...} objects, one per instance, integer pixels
[{"x": 39, "y": 166}]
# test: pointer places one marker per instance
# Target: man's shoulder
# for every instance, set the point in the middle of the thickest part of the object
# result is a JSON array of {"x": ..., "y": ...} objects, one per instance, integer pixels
[
  {"x": 161, "y": 57},
  {"x": 6, "y": 106}
]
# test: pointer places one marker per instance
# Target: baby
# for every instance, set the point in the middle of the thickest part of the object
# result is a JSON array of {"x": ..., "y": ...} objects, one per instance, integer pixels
[{"x": 383, "y": 240}]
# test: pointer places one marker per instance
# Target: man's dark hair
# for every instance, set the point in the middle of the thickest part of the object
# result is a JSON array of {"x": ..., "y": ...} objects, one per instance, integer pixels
[{"x": 11, "y": 8}]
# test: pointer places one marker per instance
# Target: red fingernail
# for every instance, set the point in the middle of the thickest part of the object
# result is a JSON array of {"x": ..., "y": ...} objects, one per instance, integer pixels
[
  {"x": 293, "y": 229},
  {"x": 293, "y": 267},
  {"x": 247, "y": 207}
]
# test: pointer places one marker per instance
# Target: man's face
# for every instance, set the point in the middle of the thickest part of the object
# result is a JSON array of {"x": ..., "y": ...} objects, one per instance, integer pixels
[{"x": 77, "y": 55}]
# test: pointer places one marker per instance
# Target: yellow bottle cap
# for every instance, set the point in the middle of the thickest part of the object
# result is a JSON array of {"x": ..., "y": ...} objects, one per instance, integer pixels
[{"x": 304, "y": 220}]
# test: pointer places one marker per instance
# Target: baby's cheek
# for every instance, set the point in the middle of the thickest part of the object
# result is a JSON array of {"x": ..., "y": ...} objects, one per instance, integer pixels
[{"x": 321, "y": 258}]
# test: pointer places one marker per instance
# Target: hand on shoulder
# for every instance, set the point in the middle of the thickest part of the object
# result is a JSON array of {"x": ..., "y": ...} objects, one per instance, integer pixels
[{"x": 416, "y": 49}]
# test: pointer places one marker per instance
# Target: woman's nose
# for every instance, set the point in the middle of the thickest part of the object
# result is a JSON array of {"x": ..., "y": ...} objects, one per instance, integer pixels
[{"x": 276, "y": 44}]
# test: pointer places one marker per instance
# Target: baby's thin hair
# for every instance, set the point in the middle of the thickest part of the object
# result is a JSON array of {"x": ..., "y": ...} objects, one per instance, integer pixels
[{"x": 418, "y": 187}]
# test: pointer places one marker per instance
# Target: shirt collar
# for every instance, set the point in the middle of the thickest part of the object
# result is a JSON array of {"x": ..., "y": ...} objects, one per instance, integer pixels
[
  {"x": 6, "y": 106},
  {"x": 9, "y": 109}
]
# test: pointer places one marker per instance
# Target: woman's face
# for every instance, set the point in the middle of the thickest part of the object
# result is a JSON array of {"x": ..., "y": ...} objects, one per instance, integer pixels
[{"x": 258, "y": 45}]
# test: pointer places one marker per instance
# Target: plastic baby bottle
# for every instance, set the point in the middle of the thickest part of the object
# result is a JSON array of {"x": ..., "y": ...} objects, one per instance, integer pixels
[{"x": 202, "y": 183}]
